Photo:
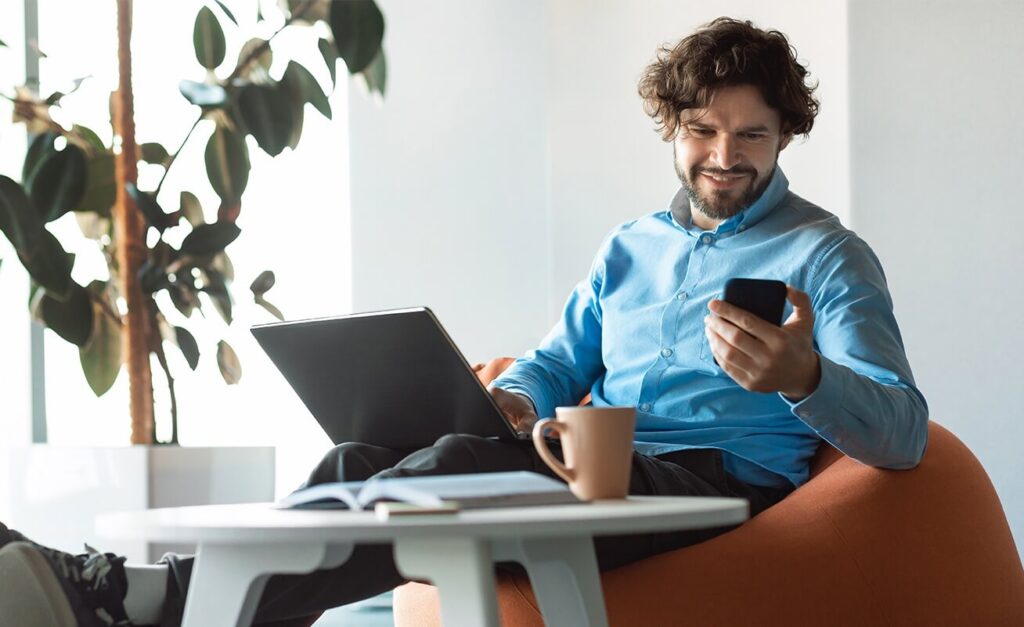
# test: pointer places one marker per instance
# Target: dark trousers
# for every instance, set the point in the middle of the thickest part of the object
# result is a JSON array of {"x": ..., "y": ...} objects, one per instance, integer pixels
[{"x": 371, "y": 569}]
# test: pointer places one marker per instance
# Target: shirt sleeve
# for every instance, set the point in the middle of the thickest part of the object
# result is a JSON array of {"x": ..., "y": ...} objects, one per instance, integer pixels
[
  {"x": 561, "y": 371},
  {"x": 866, "y": 404}
]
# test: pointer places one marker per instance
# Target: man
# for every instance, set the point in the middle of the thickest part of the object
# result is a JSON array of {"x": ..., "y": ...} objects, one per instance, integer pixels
[{"x": 727, "y": 404}]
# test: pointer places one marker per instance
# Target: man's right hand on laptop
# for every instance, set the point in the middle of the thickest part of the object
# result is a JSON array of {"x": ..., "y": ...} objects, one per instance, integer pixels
[{"x": 517, "y": 408}]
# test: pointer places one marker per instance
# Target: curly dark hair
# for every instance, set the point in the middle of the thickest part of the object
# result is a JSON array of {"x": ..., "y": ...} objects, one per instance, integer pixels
[{"x": 724, "y": 53}]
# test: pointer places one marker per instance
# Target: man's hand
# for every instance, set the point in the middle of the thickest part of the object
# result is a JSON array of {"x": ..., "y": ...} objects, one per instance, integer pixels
[
  {"x": 762, "y": 357},
  {"x": 517, "y": 408}
]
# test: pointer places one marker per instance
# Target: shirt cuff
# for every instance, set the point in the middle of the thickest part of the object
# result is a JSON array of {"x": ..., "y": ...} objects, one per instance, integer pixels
[{"x": 825, "y": 402}]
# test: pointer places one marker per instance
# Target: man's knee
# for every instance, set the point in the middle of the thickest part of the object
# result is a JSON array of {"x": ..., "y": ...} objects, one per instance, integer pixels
[
  {"x": 349, "y": 461},
  {"x": 459, "y": 442}
]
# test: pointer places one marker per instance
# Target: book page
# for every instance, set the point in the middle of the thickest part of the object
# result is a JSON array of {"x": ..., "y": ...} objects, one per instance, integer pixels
[
  {"x": 337, "y": 495},
  {"x": 493, "y": 489}
]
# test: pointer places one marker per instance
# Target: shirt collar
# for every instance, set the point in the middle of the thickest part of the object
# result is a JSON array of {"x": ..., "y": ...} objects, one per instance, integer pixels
[{"x": 772, "y": 196}]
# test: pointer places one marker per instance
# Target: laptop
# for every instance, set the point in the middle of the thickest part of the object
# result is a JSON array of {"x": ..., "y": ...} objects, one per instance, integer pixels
[{"x": 388, "y": 378}]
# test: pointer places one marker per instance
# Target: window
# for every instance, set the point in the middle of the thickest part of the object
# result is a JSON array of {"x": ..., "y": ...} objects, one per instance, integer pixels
[{"x": 294, "y": 221}]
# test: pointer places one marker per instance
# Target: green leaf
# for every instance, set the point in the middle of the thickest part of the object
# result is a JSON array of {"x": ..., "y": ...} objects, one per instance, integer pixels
[
  {"x": 203, "y": 94},
  {"x": 227, "y": 163},
  {"x": 2, "y": 44},
  {"x": 274, "y": 311},
  {"x": 183, "y": 296},
  {"x": 71, "y": 317},
  {"x": 147, "y": 204},
  {"x": 208, "y": 39},
  {"x": 330, "y": 55},
  {"x": 152, "y": 277},
  {"x": 100, "y": 185},
  {"x": 262, "y": 284},
  {"x": 58, "y": 184},
  {"x": 217, "y": 289},
  {"x": 39, "y": 150},
  {"x": 93, "y": 225},
  {"x": 48, "y": 264},
  {"x": 358, "y": 27},
  {"x": 209, "y": 239},
  {"x": 18, "y": 221},
  {"x": 298, "y": 119},
  {"x": 191, "y": 209},
  {"x": 189, "y": 347},
  {"x": 302, "y": 88},
  {"x": 311, "y": 11},
  {"x": 222, "y": 263},
  {"x": 266, "y": 111},
  {"x": 376, "y": 74},
  {"x": 89, "y": 136},
  {"x": 227, "y": 361},
  {"x": 39, "y": 251},
  {"x": 231, "y": 16},
  {"x": 152, "y": 152},
  {"x": 101, "y": 357},
  {"x": 263, "y": 61}
]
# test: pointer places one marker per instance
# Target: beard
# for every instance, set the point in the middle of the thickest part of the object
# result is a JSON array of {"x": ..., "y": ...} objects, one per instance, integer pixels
[{"x": 722, "y": 204}]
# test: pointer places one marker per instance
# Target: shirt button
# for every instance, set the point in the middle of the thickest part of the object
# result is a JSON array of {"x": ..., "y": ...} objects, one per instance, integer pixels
[
  {"x": 707, "y": 239},
  {"x": 681, "y": 296},
  {"x": 741, "y": 228},
  {"x": 645, "y": 407},
  {"x": 666, "y": 352}
]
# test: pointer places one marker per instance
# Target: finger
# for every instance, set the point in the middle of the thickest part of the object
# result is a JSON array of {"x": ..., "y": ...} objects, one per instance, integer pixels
[
  {"x": 526, "y": 423},
  {"x": 802, "y": 311},
  {"x": 737, "y": 374},
  {"x": 733, "y": 335},
  {"x": 728, "y": 356},
  {"x": 743, "y": 319}
]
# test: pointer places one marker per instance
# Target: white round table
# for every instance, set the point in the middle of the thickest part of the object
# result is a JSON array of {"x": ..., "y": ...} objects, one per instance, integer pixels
[{"x": 238, "y": 545}]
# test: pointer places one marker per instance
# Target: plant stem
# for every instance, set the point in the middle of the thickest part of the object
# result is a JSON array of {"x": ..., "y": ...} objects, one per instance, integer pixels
[
  {"x": 105, "y": 306},
  {"x": 175, "y": 155},
  {"x": 157, "y": 346},
  {"x": 129, "y": 233}
]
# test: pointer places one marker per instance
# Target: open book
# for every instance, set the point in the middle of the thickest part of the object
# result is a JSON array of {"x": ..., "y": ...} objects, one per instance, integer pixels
[{"x": 435, "y": 493}]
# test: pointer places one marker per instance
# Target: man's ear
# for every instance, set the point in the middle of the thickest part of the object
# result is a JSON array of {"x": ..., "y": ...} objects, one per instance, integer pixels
[{"x": 788, "y": 137}]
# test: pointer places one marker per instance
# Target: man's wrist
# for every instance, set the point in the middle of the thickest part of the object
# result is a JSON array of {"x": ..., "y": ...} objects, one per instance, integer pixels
[{"x": 809, "y": 383}]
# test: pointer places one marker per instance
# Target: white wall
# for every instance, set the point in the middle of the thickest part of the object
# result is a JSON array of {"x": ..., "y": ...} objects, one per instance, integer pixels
[
  {"x": 448, "y": 177},
  {"x": 607, "y": 164},
  {"x": 937, "y": 149},
  {"x": 512, "y": 140}
]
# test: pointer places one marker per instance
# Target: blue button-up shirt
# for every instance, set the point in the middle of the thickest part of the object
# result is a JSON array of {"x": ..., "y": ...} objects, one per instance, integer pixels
[{"x": 632, "y": 334}]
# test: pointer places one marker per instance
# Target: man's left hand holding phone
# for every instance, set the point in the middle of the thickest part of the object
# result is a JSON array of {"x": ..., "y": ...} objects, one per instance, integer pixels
[{"x": 761, "y": 356}]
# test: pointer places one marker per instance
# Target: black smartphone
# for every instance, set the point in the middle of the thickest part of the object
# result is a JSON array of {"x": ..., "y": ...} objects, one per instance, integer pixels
[{"x": 764, "y": 298}]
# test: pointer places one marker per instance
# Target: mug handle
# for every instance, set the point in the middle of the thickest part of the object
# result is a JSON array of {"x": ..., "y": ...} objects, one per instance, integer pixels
[{"x": 545, "y": 453}]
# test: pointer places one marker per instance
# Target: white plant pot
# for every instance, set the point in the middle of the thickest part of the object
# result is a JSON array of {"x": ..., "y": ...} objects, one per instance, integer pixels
[{"x": 57, "y": 491}]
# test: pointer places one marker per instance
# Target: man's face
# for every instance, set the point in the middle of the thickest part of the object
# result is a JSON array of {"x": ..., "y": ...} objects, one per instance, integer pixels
[{"x": 725, "y": 154}]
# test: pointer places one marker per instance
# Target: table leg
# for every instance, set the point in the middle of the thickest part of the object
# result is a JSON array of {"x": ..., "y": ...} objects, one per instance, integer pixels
[
  {"x": 227, "y": 579},
  {"x": 463, "y": 572},
  {"x": 564, "y": 576}
]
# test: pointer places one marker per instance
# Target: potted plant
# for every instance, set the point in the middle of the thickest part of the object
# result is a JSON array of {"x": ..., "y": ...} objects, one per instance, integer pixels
[{"x": 118, "y": 321}]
